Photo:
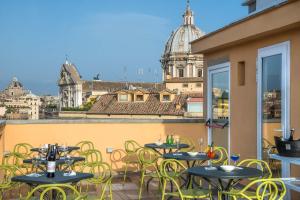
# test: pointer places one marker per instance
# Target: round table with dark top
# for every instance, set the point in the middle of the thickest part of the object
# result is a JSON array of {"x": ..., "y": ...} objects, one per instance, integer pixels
[
  {"x": 225, "y": 180},
  {"x": 59, "y": 177},
  {"x": 165, "y": 147}
]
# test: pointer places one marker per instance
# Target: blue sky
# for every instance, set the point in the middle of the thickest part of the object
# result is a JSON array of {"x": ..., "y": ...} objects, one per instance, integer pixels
[{"x": 99, "y": 36}]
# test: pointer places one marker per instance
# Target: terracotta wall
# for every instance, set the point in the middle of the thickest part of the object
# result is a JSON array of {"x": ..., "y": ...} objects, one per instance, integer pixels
[{"x": 103, "y": 135}]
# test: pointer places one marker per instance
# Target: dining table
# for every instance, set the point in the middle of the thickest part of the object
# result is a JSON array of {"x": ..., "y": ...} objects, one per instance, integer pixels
[
  {"x": 35, "y": 179},
  {"x": 191, "y": 160},
  {"x": 222, "y": 180},
  {"x": 166, "y": 148}
]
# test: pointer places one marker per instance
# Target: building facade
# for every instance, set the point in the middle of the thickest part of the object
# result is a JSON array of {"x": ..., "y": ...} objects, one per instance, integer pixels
[
  {"x": 18, "y": 102},
  {"x": 70, "y": 86},
  {"x": 258, "y": 64},
  {"x": 182, "y": 69}
]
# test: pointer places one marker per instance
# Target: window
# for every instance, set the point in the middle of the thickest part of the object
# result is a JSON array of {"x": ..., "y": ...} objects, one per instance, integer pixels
[
  {"x": 199, "y": 73},
  {"x": 180, "y": 72},
  {"x": 139, "y": 97},
  {"x": 198, "y": 85},
  {"x": 166, "y": 97},
  {"x": 123, "y": 97},
  {"x": 195, "y": 107},
  {"x": 241, "y": 73},
  {"x": 185, "y": 85}
]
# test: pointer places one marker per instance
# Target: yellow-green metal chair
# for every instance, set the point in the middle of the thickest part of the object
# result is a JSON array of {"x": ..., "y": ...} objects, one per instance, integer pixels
[
  {"x": 271, "y": 189},
  {"x": 131, "y": 157},
  {"x": 16, "y": 160},
  {"x": 149, "y": 166},
  {"x": 261, "y": 164},
  {"x": 91, "y": 156},
  {"x": 62, "y": 192},
  {"x": 84, "y": 146},
  {"x": 171, "y": 171},
  {"x": 23, "y": 148},
  {"x": 102, "y": 179},
  {"x": 6, "y": 173}
]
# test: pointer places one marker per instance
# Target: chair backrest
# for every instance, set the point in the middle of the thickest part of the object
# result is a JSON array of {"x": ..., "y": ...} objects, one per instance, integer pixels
[
  {"x": 261, "y": 164},
  {"x": 6, "y": 173},
  {"x": 171, "y": 170},
  {"x": 85, "y": 145},
  {"x": 222, "y": 154},
  {"x": 13, "y": 158},
  {"x": 101, "y": 170},
  {"x": 23, "y": 148},
  {"x": 92, "y": 156},
  {"x": 131, "y": 146},
  {"x": 147, "y": 156},
  {"x": 271, "y": 189},
  {"x": 60, "y": 189}
]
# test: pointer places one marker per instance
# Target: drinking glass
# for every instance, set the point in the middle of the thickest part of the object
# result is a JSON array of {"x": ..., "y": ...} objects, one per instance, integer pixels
[
  {"x": 36, "y": 161},
  {"x": 177, "y": 142},
  {"x": 69, "y": 161},
  {"x": 201, "y": 143},
  {"x": 235, "y": 158}
]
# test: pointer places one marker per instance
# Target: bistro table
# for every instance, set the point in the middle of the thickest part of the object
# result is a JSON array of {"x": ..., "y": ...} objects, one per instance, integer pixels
[
  {"x": 225, "y": 180},
  {"x": 58, "y": 178},
  {"x": 165, "y": 147}
]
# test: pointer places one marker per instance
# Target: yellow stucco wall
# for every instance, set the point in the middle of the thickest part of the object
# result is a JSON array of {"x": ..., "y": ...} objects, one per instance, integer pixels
[{"x": 103, "y": 135}]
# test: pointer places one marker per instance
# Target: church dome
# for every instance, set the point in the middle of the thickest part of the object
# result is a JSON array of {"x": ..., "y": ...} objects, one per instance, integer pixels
[{"x": 179, "y": 41}]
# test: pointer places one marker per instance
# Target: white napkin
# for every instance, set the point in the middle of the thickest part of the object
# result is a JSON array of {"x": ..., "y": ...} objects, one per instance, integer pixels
[{"x": 72, "y": 173}]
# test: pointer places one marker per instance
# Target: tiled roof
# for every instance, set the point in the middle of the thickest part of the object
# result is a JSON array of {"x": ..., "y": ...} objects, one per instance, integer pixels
[
  {"x": 113, "y": 86},
  {"x": 108, "y": 104}
]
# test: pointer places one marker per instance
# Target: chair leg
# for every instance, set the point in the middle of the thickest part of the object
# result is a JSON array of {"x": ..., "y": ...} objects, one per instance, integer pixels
[
  {"x": 125, "y": 173},
  {"x": 163, "y": 190},
  {"x": 141, "y": 185},
  {"x": 110, "y": 191}
]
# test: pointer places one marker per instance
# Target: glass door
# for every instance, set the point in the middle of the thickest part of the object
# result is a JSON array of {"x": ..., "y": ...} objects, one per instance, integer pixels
[
  {"x": 272, "y": 100},
  {"x": 218, "y": 105}
]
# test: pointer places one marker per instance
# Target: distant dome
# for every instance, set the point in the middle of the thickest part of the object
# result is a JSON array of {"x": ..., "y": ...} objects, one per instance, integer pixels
[
  {"x": 15, "y": 83},
  {"x": 179, "y": 41}
]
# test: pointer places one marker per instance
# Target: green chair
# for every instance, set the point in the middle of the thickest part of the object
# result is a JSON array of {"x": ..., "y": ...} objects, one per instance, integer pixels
[
  {"x": 62, "y": 192},
  {"x": 84, "y": 146},
  {"x": 102, "y": 179},
  {"x": 149, "y": 166},
  {"x": 271, "y": 189},
  {"x": 171, "y": 171},
  {"x": 91, "y": 156},
  {"x": 262, "y": 165},
  {"x": 16, "y": 160},
  {"x": 6, "y": 173},
  {"x": 131, "y": 158},
  {"x": 23, "y": 148}
]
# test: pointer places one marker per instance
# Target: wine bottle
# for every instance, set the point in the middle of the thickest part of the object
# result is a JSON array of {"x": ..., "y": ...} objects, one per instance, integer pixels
[
  {"x": 172, "y": 139},
  {"x": 51, "y": 164}
]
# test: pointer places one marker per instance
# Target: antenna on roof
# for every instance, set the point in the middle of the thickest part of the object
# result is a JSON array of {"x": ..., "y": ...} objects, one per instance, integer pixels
[
  {"x": 67, "y": 59},
  {"x": 125, "y": 76}
]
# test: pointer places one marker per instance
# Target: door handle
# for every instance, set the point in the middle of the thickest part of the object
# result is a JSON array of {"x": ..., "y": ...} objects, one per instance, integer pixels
[{"x": 278, "y": 130}]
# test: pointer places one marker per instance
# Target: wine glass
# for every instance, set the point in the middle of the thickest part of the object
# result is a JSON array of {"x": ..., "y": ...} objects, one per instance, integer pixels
[
  {"x": 201, "y": 143},
  {"x": 69, "y": 161},
  {"x": 177, "y": 142},
  {"x": 235, "y": 158},
  {"x": 36, "y": 161}
]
